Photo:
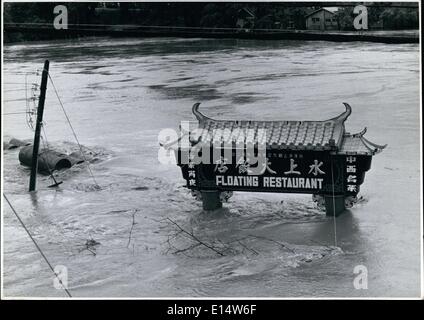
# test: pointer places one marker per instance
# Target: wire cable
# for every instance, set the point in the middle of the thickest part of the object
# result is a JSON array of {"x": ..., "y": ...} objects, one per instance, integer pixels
[
  {"x": 9, "y": 113},
  {"x": 73, "y": 131},
  {"x": 37, "y": 246}
]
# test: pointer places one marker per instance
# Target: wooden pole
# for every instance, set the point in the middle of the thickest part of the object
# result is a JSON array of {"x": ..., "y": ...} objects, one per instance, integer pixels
[{"x": 40, "y": 110}]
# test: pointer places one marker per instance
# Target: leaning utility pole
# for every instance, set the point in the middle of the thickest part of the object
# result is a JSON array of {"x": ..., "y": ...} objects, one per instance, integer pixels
[{"x": 40, "y": 110}]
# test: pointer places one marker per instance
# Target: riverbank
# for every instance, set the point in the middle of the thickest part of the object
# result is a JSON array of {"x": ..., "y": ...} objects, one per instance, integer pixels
[
  {"x": 335, "y": 36},
  {"x": 45, "y": 31}
]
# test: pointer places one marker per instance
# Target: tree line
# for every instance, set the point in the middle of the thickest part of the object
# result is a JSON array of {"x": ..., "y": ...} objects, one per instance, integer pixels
[{"x": 202, "y": 14}]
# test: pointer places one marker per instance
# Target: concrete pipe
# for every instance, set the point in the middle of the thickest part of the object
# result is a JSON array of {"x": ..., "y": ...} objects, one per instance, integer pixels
[
  {"x": 48, "y": 160},
  {"x": 76, "y": 158}
]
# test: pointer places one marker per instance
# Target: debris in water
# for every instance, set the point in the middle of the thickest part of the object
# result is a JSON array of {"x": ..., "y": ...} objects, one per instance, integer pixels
[
  {"x": 16, "y": 143},
  {"x": 90, "y": 245},
  {"x": 141, "y": 188}
]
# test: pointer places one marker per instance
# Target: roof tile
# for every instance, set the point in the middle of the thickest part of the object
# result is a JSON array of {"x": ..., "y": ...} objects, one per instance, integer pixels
[{"x": 296, "y": 135}]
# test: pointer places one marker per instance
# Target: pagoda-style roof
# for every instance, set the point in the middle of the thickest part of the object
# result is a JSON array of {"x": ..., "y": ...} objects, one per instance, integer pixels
[
  {"x": 292, "y": 135},
  {"x": 358, "y": 144}
]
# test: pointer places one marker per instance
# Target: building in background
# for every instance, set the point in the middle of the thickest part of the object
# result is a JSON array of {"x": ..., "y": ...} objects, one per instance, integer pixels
[
  {"x": 322, "y": 19},
  {"x": 245, "y": 19}
]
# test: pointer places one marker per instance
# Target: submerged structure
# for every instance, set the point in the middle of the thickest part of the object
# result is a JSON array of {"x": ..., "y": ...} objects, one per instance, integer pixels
[{"x": 312, "y": 157}]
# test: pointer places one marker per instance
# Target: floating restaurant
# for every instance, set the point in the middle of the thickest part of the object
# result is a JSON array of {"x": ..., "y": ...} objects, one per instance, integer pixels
[{"x": 312, "y": 157}]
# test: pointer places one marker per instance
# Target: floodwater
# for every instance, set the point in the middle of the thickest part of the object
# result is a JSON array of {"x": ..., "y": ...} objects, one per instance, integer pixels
[{"x": 119, "y": 93}]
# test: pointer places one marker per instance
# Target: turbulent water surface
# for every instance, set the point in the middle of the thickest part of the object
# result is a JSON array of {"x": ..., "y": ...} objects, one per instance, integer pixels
[{"x": 119, "y": 93}]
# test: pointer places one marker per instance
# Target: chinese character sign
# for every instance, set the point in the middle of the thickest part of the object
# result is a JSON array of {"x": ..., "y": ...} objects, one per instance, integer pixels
[
  {"x": 351, "y": 177},
  {"x": 303, "y": 171}
]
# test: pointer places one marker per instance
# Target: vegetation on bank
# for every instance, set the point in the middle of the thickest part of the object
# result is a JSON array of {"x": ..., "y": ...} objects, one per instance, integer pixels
[{"x": 211, "y": 15}]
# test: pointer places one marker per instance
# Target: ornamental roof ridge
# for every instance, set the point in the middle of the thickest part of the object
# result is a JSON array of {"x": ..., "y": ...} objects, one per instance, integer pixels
[
  {"x": 340, "y": 118},
  {"x": 323, "y": 134}
]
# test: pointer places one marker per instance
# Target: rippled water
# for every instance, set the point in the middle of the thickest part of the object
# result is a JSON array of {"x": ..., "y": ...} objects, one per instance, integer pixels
[{"x": 120, "y": 93}]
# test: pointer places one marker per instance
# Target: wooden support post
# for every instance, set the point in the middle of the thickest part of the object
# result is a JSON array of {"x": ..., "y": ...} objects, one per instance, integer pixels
[
  {"x": 211, "y": 200},
  {"x": 40, "y": 110},
  {"x": 334, "y": 205}
]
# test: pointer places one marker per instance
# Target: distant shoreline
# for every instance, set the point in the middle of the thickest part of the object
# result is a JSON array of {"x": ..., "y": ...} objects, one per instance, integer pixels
[{"x": 380, "y": 36}]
